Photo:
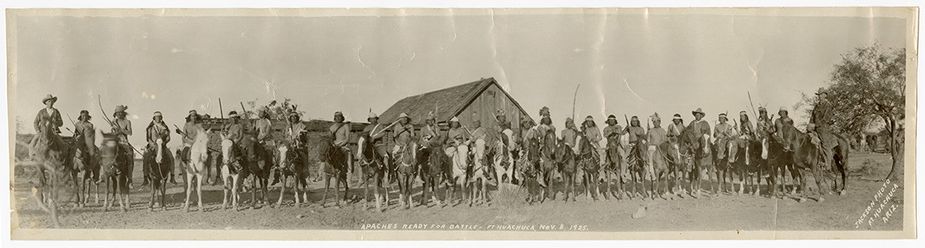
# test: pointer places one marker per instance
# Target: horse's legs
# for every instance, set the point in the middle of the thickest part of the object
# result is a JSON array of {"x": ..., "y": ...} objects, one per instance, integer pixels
[
  {"x": 327, "y": 185},
  {"x": 153, "y": 191},
  {"x": 282, "y": 191}
]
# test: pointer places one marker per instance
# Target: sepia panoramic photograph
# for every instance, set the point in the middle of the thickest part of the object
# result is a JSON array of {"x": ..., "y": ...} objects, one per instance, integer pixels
[{"x": 606, "y": 123}]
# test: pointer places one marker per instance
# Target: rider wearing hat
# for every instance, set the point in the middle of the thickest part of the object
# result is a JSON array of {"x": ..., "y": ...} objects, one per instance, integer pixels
[
  {"x": 48, "y": 115},
  {"x": 402, "y": 134},
  {"x": 122, "y": 128},
  {"x": 429, "y": 133},
  {"x": 701, "y": 128},
  {"x": 376, "y": 133},
  {"x": 84, "y": 131}
]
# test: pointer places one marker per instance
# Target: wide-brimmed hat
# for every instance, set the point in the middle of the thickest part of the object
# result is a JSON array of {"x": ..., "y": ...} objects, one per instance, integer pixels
[
  {"x": 403, "y": 115},
  {"x": 49, "y": 97},
  {"x": 698, "y": 111},
  {"x": 233, "y": 114},
  {"x": 677, "y": 116},
  {"x": 121, "y": 109}
]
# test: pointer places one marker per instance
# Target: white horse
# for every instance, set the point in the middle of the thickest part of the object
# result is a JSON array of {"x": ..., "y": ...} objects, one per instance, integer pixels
[
  {"x": 229, "y": 177},
  {"x": 199, "y": 154}
]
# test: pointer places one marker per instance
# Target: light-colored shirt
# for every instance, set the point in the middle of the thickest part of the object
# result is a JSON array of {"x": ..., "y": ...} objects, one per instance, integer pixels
[
  {"x": 569, "y": 135},
  {"x": 234, "y": 132},
  {"x": 657, "y": 136},
  {"x": 458, "y": 136},
  {"x": 264, "y": 129},
  {"x": 191, "y": 129},
  {"x": 341, "y": 132},
  {"x": 403, "y": 134},
  {"x": 723, "y": 131},
  {"x": 635, "y": 133}
]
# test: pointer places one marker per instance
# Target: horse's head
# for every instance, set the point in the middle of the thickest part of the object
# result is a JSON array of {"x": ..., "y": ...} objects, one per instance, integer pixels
[
  {"x": 228, "y": 150},
  {"x": 563, "y": 152},
  {"x": 282, "y": 155},
  {"x": 790, "y": 137}
]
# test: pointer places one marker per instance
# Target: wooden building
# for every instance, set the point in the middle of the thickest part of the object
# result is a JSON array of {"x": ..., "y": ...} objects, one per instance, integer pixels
[{"x": 478, "y": 100}]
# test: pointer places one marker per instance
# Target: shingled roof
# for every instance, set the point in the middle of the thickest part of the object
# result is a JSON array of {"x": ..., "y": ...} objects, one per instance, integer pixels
[{"x": 445, "y": 103}]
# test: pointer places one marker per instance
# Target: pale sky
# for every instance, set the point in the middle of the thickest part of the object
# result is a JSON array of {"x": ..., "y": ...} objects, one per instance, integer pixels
[{"x": 626, "y": 63}]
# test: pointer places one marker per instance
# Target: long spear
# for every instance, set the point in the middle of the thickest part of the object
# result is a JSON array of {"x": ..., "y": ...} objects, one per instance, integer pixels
[
  {"x": 752, "y": 104},
  {"x": 574, "y": 99}
]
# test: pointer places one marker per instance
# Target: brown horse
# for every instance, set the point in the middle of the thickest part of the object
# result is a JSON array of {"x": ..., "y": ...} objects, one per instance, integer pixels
[
  {"x": 372, "y": 166},
  {"x": 589, "y": 161},
  {"x": 159, "y": 164},
  {"x": 114, "y": 170},
  {"x": 435, "y": 170},
  {"x": 722, "y": 168},
  {"x": 695, "y": 150},
  {"x": 565, "y": 159},
  {"x": 292, "y": 159},
  {"x": 807, "y": 157},
  {"x": 334, "y": 164}
]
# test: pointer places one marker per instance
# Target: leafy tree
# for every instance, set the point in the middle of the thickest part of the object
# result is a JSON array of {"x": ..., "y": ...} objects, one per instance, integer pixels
[{"x": 868, "y": 84}]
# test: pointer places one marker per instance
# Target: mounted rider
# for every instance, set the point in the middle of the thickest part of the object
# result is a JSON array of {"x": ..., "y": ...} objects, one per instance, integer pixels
[
  {"x": 723, "y": 134},
  {"x": 265, "y": 142},
  {"x": 591, "y": 132},
  {"x": 458, "y": 150},
  {"x": 701, "y": 128},
  {"x": 190, "y": 130},
  {"x": 85, "y": 135},
  {"x": 674, "y": 131},
  {"x": 781, "y": 122},
  {"x": 403, "y": 135},
  {"x": 746, "y": 134},
  {"x": 482, "y": 140},
  {"x": 234, "y": 130},
  {"x": 341, "y": 132},
  {"x": 48, "y": 117},
  {"x": 822, "y": 121},
  {"x": 570, "y": 133},
  {"x": 612, "y": 133},
  {"x": 376, "y": 133},
  {"x": 636, "y": 135},
  {"x": 654, "y": 138},
  {"x": 430, "y": 136},
  {"x": 156, "y": 130},
  {"x": 545, "y": 122},
  {"x": 764, "y": 128},
  {"x": 295, "y": 135},
  {"x": 122, "y": 128}
]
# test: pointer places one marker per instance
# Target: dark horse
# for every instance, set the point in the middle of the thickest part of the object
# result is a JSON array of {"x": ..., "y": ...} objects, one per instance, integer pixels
[
  {"x": 807, "y": 157},
  {"x": 749, "y": 165},
  {"x": 589, "y": 162},
  {"x": 565, "y": 159},
  {"x": 695, "y": 150},
  {"x": 252, "y": 164},
  {"x": 158, "y": 165},
  {"x": 334, "y": 164},
  {"x": 372, "y": 166},
  {"x": 722, "y": 167},
  {"x": 435, "y": 168},
  {"x": 547, "y": 165},
  {"x": 114, "y": 169},
  {"x": 292, "y": 159}
]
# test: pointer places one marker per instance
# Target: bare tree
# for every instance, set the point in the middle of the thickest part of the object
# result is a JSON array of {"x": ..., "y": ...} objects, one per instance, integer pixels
[{"x": 868, "y": 84}]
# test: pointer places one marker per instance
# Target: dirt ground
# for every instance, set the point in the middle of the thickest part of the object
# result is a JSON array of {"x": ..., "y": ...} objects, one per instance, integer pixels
[{"x": 717, "y": 212}]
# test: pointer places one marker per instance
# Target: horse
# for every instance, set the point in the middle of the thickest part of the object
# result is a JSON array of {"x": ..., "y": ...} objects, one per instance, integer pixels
[
  {"x": 372, "y": 166},
  {"x": 747, "y": 162},
  {"x": 114, "y": 169},
  {"x": 250, "y": 158},
  {"x": 660, "y": 169},
  {"x": 806, "y": 156},
  {"x": 722, "y": 167},
  {"x": 334, "y": 164},
  {"x": 292, "y": 158},
  {"x": 405, "y": 163},
  {"x": 614, "y": 168},
  {"x": 636, "y": 167},
  {"x": 528, "y": 168},
  {"x": 89, "y": 167},
  {"x": 159, "y": 164},
  {"x": 195, "y": 168},
  {"x": 698, "y": 155},
  {"x": 480, "y": 167},
  {"x": 589, "y": 162},
  {"x": 839, "y": 161},
  {"x": 565, "y": 159},
  {"x": 436, "y": 169}
]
